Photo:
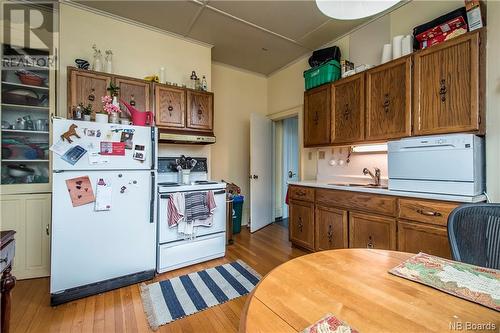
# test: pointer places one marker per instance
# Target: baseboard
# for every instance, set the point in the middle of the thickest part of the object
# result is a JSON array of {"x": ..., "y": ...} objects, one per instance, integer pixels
[{"x": 72, "y": 294}]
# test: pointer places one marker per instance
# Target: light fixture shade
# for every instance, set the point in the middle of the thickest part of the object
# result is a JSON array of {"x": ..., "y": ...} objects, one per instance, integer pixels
[
  {"x": 353, "y": 9},
  {"x": 373, "y": 148}
]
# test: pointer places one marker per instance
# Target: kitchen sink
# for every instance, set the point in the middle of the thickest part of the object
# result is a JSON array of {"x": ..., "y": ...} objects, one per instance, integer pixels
[{"x": 360, "y": 185}]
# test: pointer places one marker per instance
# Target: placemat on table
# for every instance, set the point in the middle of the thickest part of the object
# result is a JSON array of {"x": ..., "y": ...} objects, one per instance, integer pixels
[
  {"x": 329, "y": 324},
  {"x": 477, "y": 284}
]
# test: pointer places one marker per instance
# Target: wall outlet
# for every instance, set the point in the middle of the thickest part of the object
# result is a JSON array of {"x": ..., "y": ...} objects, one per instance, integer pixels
[{"x": 321, "y": 155}]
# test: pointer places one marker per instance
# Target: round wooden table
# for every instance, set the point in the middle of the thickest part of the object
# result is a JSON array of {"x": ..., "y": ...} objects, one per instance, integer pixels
[{"x": 354, "y": 285}]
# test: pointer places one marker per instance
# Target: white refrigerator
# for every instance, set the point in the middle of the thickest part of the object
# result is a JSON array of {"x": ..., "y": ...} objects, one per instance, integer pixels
[{"x": 109, "y": 242}]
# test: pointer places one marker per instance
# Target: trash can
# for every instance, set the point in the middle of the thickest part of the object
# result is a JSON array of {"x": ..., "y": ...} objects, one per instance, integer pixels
[
  {"x": 237, "y": 213},
  {"x": 229, "y": 221}
]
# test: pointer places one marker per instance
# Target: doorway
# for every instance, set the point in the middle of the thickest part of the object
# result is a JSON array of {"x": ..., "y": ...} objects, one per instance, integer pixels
[{"x": 286, "y": 163}]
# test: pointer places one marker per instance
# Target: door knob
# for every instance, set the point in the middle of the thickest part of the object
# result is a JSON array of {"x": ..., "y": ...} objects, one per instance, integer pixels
[{"x": 291, "y": 174}]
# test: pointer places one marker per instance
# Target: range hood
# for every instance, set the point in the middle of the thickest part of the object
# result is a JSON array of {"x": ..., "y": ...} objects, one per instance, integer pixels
[{"x": 186, "y": 138}]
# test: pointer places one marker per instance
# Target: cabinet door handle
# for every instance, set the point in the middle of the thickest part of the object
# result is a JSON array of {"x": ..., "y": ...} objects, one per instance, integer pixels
[
  {"x": 369, "y": 245},
  {"x": 387, "y": 102},
  {"x": 428, "y": 212},
  {"x": 330, "y": 233},
  {"x": 316, "y": 118},
  {"x": 47, "y": 230},
  {"x": 347, "y": 112},
  {"x": 91, "y": 96},
  {"x": 200, "y": 111},
  {"x": 301, "y": 193},
  {"x": 300, "y": 224},
  {"x": 442, "y": 90}
]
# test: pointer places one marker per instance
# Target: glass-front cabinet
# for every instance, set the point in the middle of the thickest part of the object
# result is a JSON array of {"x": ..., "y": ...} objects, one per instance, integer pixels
[{"x": 27, "y": 102}]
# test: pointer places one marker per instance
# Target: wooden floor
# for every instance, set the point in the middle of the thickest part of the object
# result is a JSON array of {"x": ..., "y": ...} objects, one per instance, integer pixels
[{"x": 121, "y": 310}]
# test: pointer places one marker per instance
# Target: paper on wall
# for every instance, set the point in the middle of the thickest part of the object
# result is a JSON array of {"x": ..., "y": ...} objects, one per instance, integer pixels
[{"x": 103, "y": 196}]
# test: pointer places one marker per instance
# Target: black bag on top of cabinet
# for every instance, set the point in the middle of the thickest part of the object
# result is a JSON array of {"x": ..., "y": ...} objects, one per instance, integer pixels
[
  {"x": 319, "y": 57},
  {"x": 459, "y": 12}
]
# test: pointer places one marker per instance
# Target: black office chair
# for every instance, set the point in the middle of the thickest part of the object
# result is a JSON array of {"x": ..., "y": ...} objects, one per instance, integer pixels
[{"x": 474, "y": 234}]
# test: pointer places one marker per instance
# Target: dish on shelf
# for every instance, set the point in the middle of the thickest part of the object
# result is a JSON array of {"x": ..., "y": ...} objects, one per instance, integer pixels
[
  {"x": 5, "y": 124},
  {"x": 30, "y": 78},
  {"x": 21, "y": 96},
  {"x": 19, "y": 170}
]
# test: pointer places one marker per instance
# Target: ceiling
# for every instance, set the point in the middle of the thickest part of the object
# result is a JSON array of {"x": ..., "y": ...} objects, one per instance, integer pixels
[{"x": 259, "y": 36}]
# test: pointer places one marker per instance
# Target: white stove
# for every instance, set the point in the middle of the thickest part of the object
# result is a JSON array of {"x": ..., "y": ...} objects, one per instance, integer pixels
[{"x": 174, "y": 250}]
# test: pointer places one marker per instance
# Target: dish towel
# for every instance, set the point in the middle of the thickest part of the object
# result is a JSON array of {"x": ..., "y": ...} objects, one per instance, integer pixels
[
  {"x": 211, "y": 205},
  {"x": 175, "y": 208},
  {"x": 196, "y": 206}
]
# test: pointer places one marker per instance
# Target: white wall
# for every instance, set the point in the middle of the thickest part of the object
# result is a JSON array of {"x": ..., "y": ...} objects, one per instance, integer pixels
[
  {"x": 238, "y": 93},
  {"x": 138, "y": 51},
  {"x": 493, "y": 102}
]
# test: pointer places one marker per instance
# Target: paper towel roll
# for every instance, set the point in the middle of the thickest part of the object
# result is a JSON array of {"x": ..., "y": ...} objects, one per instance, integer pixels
[
  {"x": 407, "y": 45},
  {"x": 386, "y": 53},
  {"x": 396, "y": 46}
]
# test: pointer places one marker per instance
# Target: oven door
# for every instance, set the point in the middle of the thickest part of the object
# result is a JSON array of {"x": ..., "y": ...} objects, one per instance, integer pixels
[{"x": 169, "y": 234}]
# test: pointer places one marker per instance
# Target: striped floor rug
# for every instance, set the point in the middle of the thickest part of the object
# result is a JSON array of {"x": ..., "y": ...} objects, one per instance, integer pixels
[{"x": 168, "y": 300}]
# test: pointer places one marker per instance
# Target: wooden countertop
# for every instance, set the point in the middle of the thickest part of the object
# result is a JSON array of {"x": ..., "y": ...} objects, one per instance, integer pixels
[{"x": 354, "y": 285}]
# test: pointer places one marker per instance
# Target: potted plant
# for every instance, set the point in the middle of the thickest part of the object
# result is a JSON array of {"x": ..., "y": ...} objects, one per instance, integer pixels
[{"x": 87, "y": 111}]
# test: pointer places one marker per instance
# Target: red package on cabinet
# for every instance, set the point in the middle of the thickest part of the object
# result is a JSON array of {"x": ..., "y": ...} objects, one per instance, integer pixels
[
  {"x": 113, "y": 148},
  {"x": 442, "y": 32}
]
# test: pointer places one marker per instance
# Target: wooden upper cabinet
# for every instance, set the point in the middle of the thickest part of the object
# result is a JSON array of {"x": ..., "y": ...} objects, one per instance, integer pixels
[
  {"x": 317, "y": 108},
  {"x": 135, "y": 92},
  {"x": 170, "y": 106},
  {"x": 388, "y": 109},
  {"x": 200, "y": 110},
  {"x": 86, "y": 87},
  {"x": 447, "y": 87},
  {"x": 348, "y": 112}
]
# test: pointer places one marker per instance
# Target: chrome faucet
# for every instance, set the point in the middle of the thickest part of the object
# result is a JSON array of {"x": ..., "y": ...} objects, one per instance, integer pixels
[{"x": 375, "y": 177}]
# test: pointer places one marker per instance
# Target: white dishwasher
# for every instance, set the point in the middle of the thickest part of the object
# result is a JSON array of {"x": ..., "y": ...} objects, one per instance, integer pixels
[{"x": 451, "y": 164}]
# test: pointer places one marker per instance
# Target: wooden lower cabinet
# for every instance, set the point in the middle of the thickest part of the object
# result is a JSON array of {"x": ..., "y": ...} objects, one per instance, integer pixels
[
  {"x": 331, "y": 228},
  {"x": 29, "y": 216},
  {"x": 372, "y": 231},
  {"x": 301, "y": 223},
  {"x": 415, "y": 237}
]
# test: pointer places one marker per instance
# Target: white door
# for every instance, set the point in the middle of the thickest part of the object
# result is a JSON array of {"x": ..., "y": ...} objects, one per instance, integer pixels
[
  {"x": 261, "y": 172},
  {"x": 90, "y": 246},
  {"x": 290, "y": 157}
]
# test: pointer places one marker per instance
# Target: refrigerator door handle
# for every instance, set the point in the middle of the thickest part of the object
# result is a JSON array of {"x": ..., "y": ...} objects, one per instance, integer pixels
[
  {"x": 153, "y": 147},
  {"x": 152, "y": 199}
]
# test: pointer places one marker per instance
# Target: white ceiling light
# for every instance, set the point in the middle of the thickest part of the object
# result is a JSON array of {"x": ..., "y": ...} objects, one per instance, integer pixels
[{"x": 353, "y": 9}]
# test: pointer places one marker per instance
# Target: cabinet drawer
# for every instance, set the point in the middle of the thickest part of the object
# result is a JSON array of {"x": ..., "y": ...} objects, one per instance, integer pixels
[
  {"x": 433, "y": 212},
  {"x": 7, "y": 255},
  {"x": 301, "y": 224},
  {"x": 372, "y": 203},
  {"x": 301, "y": 193},
  {"x": 415, "y": 237},
  {"x": 189, "y": 252}
]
